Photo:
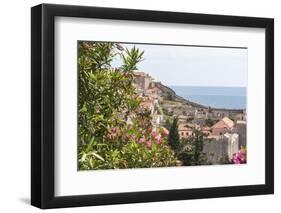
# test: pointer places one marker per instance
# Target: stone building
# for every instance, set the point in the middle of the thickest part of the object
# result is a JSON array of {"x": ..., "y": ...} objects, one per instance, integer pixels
[
  {"x": 222, "y": 126},
  {"x": 184, "y": 131},
  {"x": 241, "y": 129},
  {"x": 220, "y": 151},
  {"x": 143, "y": 80}
]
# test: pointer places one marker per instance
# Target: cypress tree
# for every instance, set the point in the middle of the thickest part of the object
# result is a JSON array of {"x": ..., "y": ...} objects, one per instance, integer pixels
[{"x": 174, "y": 138}]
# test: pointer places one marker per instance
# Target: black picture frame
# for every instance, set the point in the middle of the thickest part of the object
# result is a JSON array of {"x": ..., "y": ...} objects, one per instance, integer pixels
[{"x": 43, "y": 105}]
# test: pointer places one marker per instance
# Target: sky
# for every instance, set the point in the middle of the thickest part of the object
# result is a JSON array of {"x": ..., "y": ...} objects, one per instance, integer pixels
[{"x": 194, "y": 66}]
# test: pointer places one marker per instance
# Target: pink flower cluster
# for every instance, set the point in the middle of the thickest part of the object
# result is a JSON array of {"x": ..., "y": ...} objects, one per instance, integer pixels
[
  {"x": 239, "y": 157},
  {"x": 148, "y": 137},
  {"x": 144, "y": 141}
]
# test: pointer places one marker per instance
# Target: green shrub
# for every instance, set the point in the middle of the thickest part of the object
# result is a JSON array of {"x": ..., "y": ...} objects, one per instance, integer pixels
[{"x": 107, "y": 100}]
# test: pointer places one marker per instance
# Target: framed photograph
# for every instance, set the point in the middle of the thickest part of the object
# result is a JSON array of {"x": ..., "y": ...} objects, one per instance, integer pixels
[{"x": 139, "y": 106}]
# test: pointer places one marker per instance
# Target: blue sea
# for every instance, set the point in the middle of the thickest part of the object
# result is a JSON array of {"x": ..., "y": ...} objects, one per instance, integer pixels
[{"x": 218, "y": 97}]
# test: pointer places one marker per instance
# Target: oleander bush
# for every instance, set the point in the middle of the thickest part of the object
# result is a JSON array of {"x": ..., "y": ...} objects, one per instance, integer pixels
[{"x": 113, "y": 131}]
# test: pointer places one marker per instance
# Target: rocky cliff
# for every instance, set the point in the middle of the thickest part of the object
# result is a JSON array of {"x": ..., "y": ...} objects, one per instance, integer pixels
[{"x": 171, "y": 95}]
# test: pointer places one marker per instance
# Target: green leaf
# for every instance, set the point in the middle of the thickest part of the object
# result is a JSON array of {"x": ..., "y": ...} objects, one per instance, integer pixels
[{"x": 97, "y": 156}]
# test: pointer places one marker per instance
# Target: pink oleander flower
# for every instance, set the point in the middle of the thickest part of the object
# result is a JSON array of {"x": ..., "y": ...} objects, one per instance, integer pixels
[
  {"x": 132, "y": 137},
  {"x": 164, "y": 132},
  {"x": 141, "y": 140},
  {"x": 158, "y": 137},
  {"x": 239, "y": 157},
  {"x": 154, "y": 134},
  {"x": 159, "y": 141},
  {"x": 148, "y": 144}
]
